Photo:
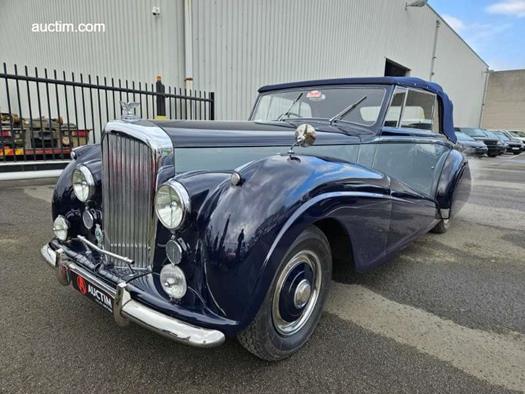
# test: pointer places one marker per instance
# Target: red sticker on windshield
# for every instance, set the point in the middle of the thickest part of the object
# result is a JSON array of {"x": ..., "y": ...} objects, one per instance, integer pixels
[{"x": 314, "y": 94}]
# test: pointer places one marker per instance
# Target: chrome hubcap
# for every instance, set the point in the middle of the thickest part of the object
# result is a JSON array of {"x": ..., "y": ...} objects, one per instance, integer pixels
[
  {"x": 302, "y": 293},
  {"x": 297, "y": 292}
]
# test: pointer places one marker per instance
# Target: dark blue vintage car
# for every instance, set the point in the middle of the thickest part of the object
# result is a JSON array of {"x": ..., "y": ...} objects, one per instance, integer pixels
[{"x": 202, "y": 230}]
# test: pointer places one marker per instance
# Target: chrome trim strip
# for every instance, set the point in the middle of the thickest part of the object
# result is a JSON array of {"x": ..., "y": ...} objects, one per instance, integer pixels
[{"x": 91, "y": 245}]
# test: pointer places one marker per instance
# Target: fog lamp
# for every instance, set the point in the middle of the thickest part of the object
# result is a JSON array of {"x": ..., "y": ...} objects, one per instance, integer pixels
[
  {"x": 60, "y": 227},
  {"x": 173, "y": 281}
]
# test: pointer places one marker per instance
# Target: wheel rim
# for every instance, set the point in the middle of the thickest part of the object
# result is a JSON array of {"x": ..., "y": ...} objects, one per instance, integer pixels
[{"x": 296, "y": 292}]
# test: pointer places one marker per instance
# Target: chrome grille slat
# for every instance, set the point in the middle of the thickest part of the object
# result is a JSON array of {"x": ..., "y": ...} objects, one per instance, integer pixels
[{"x": 128, "y": 174}]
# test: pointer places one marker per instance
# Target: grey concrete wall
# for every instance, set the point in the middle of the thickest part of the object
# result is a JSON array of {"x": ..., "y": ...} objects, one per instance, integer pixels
[{"x": 505, "y": 101}]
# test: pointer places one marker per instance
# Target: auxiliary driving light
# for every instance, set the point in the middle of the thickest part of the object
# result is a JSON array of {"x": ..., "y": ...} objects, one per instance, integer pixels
[
  {"x": 83, "y": 183},
  {"x": 173, "y": 281},
  {"x": 60, "y": 227}
]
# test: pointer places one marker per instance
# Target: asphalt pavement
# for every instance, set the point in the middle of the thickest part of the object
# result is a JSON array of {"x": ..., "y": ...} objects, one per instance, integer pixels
[{"x": 447, "y": 315}]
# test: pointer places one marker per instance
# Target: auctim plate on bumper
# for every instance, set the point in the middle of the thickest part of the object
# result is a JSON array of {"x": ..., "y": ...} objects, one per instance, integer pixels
[{"x": 91, "y": 291}]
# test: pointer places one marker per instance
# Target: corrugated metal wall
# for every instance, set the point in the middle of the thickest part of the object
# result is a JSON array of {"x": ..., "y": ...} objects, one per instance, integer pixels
[
  {"x": 463, "y": 76},
  {"x": 239, "y": 45},
  {"x": 135, "y": 45}
]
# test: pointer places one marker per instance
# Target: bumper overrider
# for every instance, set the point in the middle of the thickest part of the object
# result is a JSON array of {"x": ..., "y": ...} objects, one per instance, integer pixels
[{"x": 126, "y": 309}]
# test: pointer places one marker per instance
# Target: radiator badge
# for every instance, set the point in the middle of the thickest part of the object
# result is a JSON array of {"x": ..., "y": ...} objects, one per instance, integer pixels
[{"x": 99, "y": 235}]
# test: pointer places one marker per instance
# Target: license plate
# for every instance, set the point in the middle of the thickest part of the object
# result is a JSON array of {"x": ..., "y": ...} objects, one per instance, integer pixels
[
  {"x": 515, "y": 148},
  {"x": 91, "y": 291}
]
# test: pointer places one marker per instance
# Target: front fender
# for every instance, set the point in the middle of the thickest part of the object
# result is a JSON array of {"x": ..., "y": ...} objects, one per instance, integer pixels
[
  {"x": 247, "y": 229},
  {"x": 64, "y": 201}
]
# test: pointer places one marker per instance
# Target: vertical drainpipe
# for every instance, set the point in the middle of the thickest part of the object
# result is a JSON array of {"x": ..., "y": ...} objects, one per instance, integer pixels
[
  {"x": 188, "y": 46},
  {"x": 434, "y": 50},
  {"x": 484, "y": 101}
]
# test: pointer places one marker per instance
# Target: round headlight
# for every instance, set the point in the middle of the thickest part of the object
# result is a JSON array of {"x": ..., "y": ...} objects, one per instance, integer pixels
[
  {"x": 83, "y": 183},
  {"x": 60, "y": 227},
  {"x": 173, "y": 281},
  {"x": 171, "y": 204}
]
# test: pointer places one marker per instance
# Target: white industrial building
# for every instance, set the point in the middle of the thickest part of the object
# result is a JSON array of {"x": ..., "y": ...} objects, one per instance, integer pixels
[{"x": 232, "y": 47}]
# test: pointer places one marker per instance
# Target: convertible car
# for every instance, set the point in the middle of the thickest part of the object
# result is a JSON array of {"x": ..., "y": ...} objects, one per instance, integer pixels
[{"x": 204, "y": 230}]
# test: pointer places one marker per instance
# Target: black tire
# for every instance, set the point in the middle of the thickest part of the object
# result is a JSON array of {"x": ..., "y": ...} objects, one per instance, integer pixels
[
  {"x": 442, "y": 227},
  {"x": 516, "y": 153},
  {"x": 492, "y": 154},
  {"x": 262, "y": 337}
]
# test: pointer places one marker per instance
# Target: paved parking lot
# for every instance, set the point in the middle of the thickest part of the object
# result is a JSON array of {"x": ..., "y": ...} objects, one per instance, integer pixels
[{"x": 447, "y": 315}]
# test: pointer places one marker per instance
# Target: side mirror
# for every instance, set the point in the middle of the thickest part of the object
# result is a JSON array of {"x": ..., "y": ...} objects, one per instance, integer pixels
[{"x": 304, "y": 136}]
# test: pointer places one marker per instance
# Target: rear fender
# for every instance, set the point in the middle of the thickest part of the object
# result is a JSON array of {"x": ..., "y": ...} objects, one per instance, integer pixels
[{"x": 454, "y": 185}]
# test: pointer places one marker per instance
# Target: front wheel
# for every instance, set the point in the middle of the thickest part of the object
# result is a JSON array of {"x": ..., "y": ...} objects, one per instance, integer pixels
[{"x": 294, "y": 303}]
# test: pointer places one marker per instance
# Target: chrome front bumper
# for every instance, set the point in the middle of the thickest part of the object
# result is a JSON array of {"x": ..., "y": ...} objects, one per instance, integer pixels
[{"x": 126, "y": 309}]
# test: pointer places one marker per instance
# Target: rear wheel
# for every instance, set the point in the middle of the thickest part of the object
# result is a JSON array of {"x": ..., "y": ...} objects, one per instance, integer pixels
[
  {"x": 492, "y": 154},
  {"x": 294, "y": 303}
]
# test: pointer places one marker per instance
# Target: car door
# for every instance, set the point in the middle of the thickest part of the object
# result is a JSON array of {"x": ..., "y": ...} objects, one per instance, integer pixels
[{"x": 412, "y": 151}]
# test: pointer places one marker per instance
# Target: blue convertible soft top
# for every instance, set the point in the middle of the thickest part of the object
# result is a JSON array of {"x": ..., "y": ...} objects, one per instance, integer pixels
[{"x": 448, "y": 119}]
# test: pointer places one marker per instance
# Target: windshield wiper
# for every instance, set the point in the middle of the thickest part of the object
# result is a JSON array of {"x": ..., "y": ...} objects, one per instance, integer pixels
[
  {"x": 290, "y": 108},
  {"x": 347, "y": 110}
]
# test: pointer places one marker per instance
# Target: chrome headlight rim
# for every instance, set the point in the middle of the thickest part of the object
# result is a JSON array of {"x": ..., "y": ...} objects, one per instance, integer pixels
[
  {"x": 184, "y": 199},
  {"x": 90, "y": 182},
  {"x": 61, "y": 228},
  {"x": 173, "y": 281}
]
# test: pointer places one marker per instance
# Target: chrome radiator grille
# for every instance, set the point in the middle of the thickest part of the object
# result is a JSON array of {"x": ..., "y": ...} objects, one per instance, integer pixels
[{"x": 128, "y": 176}]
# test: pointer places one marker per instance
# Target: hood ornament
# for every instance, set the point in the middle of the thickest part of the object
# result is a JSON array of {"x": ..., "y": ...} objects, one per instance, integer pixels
[{"x": 128, "y": 111}]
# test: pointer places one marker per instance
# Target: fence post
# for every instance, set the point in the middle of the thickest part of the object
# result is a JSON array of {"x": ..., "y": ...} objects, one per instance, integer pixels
[
  {"x": 212, "y": 105},
  {"x": 161, "y": 99}
]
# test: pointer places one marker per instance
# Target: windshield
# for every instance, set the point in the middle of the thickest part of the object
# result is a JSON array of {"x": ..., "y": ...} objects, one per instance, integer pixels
[
  {"x": 517, "y": 133},
  {"x": 501, "y": 135},
  {"x": 490, "y": 134},
  {"x": 463, "y": 137},
  {"x": 473, "y": 132},
  {"x": 323, "y": 103}
]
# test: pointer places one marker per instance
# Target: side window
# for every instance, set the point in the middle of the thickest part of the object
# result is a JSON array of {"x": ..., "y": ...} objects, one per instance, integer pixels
[
  {"x": 418, "y": 112},
  {"x": 394, "y": 112}
]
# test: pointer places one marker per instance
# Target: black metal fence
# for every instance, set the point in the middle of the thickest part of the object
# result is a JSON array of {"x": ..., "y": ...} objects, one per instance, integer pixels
[{"x": 46, "y": 114}]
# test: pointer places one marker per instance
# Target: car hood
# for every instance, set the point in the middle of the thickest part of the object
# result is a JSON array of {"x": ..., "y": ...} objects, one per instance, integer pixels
[{"x": 202, "y": 133}]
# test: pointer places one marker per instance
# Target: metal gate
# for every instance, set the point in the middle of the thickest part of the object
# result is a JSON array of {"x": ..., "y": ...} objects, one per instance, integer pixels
[{"x": 44, "y": 115}]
